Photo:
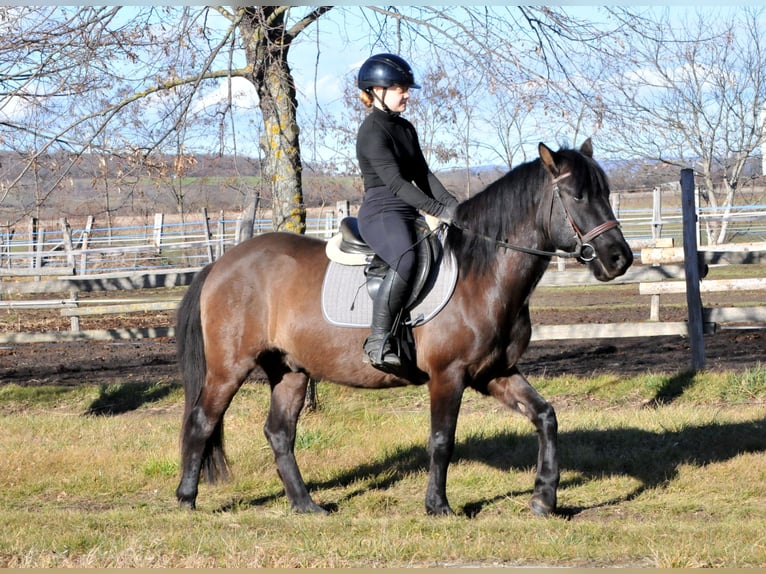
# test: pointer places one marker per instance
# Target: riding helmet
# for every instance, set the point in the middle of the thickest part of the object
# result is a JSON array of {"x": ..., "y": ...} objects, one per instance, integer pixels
[{"x": 385, "y": 70}]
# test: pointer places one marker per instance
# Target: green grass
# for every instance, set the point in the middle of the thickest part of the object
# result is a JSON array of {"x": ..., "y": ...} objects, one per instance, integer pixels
[{"x": 663, "y": 470}]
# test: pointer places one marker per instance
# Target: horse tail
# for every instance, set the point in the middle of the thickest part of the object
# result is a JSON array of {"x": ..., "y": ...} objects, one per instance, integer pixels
[{"x": 190, "y": 353}]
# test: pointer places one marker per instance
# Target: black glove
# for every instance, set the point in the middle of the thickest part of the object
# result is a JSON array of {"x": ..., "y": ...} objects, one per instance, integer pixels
[{"x": 447, "y": 214}]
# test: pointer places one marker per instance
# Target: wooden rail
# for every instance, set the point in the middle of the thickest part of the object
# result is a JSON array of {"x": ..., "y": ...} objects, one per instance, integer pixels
[
  {"x": 118, "y": 308},
  {"x": 653, "y": 280},
  {"x": 706, "y": 286}
]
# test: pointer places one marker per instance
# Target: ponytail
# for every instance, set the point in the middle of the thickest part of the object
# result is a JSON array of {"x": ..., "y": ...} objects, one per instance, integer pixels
[{"x": 366, "y": 98}]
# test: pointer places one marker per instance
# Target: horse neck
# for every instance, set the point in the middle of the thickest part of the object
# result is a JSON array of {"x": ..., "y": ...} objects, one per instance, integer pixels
[
  {"x": 506, "y": 287},
  {"x": 515, "y": 208},
  {"x": 517, "y": 271}
]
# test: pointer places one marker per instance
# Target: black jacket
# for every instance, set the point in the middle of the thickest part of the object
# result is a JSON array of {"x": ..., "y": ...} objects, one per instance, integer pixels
[{"x": 389, "y": 154}]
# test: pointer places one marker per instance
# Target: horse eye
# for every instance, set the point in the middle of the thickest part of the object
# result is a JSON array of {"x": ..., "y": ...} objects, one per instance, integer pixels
[{"x": 578, "y": 197}]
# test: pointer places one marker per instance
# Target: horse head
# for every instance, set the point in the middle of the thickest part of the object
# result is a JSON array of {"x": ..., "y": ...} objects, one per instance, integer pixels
[{"x": 581, "y": 218}]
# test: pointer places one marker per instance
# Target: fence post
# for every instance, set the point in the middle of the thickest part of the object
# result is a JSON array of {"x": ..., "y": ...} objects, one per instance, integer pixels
[
  {"x": 343, "y": 207},
  {"x": 691, "y": 265},
  {"x": 74, "y": 320},
  {"x": 6, "y": 249},
  {"x": 84, "y": 245},
  {"x": 66, "y": 234},
  {"x": 221, "y": 236},
  {"x": 159, "y": 220},
  {"x": 329, "y": 224},
  {"x": 657, "y": 213},
  {"x": 247, "y": 228},
  {"x": 206, "y": 228}
]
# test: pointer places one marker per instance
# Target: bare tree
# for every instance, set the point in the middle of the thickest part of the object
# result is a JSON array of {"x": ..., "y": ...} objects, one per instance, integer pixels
[
  {"x": 70, "y": 75},
  {"x": 687, "y": 91},
  {"x": 93, "y": 68}
]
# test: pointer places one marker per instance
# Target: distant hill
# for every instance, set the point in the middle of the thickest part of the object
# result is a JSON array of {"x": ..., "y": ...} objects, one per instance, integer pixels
[{"x": 96, "y": 184}]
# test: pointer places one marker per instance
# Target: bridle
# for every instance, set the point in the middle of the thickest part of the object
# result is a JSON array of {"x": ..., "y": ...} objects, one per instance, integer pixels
[{"x": 583, "y": 252}]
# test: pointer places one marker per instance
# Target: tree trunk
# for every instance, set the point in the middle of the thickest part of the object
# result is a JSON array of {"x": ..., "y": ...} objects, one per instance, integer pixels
[{"x": 266, "y": 47}]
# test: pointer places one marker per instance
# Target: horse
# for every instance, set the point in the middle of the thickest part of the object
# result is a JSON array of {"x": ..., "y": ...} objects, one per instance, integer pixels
[{"x": 259, "y": 306}]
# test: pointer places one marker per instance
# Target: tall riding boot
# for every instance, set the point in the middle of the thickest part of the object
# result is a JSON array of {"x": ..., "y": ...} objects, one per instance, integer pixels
[{"x": 392, "y": 295}]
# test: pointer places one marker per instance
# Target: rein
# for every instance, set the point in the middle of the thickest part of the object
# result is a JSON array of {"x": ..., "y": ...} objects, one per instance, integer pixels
[{"x": 584, "y": 251}]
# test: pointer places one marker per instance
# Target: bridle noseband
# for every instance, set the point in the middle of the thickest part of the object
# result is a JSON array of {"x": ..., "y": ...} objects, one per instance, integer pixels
[{"x": 584, "y": 252}]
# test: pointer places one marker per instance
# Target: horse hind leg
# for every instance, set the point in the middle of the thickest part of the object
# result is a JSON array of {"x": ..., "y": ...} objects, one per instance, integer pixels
[
  {"x": 202, "y": 439},
  {"x": 288, "y": 394},
  {"x": 516, "y": 392}
]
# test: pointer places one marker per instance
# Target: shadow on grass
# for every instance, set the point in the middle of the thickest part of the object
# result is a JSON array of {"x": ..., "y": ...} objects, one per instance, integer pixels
[
  {"x": 653, "y": 458},
  {"x": 673, "y": 388},
  {"x": 122, "y": 398}
]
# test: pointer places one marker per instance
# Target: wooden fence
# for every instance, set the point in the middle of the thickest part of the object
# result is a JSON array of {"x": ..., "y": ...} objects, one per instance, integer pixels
[
  {"x": 663, "y": 269},
  {"x": 49, "y": 248},
  {"x": 653, "y": 280},
  {"x": 59, "y": 248}
]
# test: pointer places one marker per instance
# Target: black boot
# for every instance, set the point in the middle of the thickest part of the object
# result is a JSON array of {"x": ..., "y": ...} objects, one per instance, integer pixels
[{"x": 392, "y": 295}]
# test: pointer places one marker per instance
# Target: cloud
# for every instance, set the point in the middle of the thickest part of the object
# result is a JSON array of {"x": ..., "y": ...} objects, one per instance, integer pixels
[
  {"x": 13, "y": 108},
  {"x": 239, "y": 91}
]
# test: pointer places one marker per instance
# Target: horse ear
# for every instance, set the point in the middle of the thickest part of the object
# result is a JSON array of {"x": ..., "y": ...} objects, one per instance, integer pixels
[
  {"x": 587, "y": 148},
  {"x": 548, "y": 158}
]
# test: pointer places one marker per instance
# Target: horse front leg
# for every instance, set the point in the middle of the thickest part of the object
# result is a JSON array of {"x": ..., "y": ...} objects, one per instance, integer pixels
[
  {"x": 287, "y": 398},
  {"x": 445, "y": 407},
  {"x": 516, "y": 392}
]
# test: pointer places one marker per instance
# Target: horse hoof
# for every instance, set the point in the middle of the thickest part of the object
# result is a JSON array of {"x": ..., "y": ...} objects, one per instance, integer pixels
[
  {"x": 187, "y": 504},
  {"x": 540, "y": 507},
  {"x": 444, "y": 510},
  {"x": 311, "y": 508}
]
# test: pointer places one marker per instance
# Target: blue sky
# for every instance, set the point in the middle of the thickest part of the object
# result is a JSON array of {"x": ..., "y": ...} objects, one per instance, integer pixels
[{"x": 324, "y": 59}]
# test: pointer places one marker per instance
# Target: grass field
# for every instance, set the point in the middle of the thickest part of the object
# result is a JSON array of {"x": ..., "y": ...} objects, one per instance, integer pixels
[{"x": 651, "y": 477}]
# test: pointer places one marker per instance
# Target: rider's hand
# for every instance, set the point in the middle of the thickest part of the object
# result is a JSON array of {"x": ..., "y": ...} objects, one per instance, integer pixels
[{"x": 448, "y": 214}]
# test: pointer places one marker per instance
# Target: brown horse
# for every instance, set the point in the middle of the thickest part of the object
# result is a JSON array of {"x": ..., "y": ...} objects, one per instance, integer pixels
[{"x": 259, "y": 305}]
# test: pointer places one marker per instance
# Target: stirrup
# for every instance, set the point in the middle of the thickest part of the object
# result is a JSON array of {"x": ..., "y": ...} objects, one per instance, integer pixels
[{"x": 384, "y": 357}]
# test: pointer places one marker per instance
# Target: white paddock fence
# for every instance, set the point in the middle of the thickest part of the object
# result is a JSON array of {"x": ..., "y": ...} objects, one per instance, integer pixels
[
  {"x": 62, "y": 294},
  {"x": 77, "y": 262},
  {"x": 161, "y": 242}
]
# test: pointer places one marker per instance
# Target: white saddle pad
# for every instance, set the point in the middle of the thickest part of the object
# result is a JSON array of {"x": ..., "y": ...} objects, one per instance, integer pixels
[{"x": 346, "y": 303}]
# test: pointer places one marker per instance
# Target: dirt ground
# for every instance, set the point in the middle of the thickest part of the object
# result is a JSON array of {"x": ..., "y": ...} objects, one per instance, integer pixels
[{"x": 153, "y": 360}]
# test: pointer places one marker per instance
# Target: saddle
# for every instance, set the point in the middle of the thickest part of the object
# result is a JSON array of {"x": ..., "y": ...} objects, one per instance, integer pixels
[
  {"x": 348, "y": 252},
  {"x": 348, "y": 248}
]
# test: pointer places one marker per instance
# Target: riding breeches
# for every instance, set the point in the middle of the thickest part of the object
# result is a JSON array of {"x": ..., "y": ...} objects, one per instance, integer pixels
[{"x": 387, "y": 224}]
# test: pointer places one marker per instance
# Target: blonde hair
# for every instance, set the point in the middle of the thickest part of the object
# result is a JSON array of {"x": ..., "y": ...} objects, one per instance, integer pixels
[{"x": 366, "y": 98}]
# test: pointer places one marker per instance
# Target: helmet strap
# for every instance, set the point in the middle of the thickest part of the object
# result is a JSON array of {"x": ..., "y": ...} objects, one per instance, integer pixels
[{"x": 382, "y": 101}]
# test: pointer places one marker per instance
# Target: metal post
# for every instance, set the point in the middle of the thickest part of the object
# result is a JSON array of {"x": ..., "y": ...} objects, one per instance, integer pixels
[
  {"x": 657, "y": 213},
  {"x": 206, "y": 232}
]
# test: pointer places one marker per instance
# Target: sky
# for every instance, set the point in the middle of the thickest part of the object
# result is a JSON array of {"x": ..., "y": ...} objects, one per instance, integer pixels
[
  {"x": 329, "y": 53},
  {"x": 323, "y": 60}
]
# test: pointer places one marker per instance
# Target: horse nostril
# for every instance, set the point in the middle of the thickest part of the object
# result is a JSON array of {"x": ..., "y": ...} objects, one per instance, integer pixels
[{"x": 622, "y": 258}]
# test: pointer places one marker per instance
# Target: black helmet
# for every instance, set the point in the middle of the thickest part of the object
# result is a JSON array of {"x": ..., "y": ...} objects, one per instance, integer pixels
[{"x": 385, "y": 70}]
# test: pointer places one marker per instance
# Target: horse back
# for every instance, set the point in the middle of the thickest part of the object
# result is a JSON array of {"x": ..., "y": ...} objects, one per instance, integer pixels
[{"x": 263, "y": 297}]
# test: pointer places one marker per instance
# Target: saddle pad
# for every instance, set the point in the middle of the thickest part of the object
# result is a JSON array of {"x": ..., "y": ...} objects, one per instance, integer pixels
[{"x": 346, "y": 303}]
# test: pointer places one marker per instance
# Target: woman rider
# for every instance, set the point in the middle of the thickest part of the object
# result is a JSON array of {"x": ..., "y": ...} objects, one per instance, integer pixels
[{"x": 398, "y": 183}]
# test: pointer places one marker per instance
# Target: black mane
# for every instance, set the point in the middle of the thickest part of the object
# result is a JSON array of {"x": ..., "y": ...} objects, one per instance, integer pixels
[
  {"x": 494, "y": 213},
  {"x": 508, "y": 206}
]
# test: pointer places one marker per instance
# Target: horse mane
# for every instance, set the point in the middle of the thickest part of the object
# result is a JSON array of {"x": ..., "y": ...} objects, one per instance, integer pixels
[
  {"x": 510, "y": 202},
  {"x": 493, "y": 213}
]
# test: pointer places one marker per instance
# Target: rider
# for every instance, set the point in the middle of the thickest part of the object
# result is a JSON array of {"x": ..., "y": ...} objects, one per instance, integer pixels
[{"x": 397, "y": 183}]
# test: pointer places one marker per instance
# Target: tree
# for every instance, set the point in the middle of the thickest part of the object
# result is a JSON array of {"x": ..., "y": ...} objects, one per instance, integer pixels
[
  {"x": 688, "y": 91},
  {"x": 70, "y": 64},
  {"x": 267, "y": 37},
  {"x": 140, "y": 75}
]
